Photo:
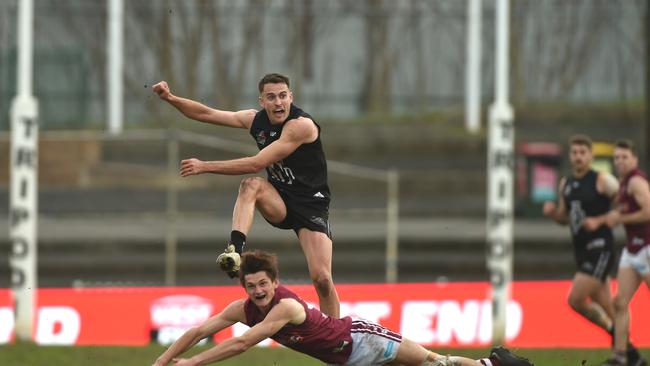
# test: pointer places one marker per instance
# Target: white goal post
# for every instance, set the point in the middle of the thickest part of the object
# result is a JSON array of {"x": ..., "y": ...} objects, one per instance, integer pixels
[
  {"x": 500, "y": 165},
  {"x": 23, "y": 202}
]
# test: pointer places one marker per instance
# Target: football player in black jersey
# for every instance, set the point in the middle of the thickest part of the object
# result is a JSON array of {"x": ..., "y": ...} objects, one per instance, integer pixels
[
  {"x": 583, "y": 196},
  {"x": 295, "y": 194},
  {"x": 585, "y": 200}
]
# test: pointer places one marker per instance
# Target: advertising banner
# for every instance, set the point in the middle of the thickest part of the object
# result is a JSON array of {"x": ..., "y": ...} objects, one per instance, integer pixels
[{"x": 434, "y": 315}]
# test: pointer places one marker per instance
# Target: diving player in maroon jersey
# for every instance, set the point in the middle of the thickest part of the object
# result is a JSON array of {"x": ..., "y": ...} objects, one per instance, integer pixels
[
  {"x": 273, "y": 311},
  {"x": 295, "y": 195},
  {"x": 634, "y": 266}
]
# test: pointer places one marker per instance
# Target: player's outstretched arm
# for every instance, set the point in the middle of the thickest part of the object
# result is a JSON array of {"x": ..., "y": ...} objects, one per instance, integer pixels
[
  {"x": 295, "y": 133},
  {"x": 200, "y": 112},
  {"x": 288, "y": 310},
  {"x": 232, "y": 314}
]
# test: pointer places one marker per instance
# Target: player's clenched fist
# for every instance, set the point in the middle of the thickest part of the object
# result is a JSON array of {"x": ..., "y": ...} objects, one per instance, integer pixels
[
  {"x": 191, "y": 167},
  {"x": 162, "y": 89},
  {"x": 549, "y": 208}
]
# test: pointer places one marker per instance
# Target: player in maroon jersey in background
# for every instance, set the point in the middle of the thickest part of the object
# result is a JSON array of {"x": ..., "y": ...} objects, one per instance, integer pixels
[
  {"x": 273, "y": 311},
  {"x": 634, "y": 267}
]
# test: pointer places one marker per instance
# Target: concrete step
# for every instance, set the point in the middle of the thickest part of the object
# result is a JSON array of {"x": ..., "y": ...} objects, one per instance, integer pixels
[
  {"x": 64, "y": 263},
  {"x": 116, "y": 201},
  {"x": 132, "y": 247}
]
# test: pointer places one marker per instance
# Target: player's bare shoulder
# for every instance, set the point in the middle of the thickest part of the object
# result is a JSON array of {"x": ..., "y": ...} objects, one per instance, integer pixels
[
  {"x": 638, "y": 184},
  {"x": 290, "y": 303},
  {"x": 245, "y": 117},
  {"x": 301, "y": 129},
  {"x": 607, "y": 184},
  {"x": 294, "y": 310},
  {"x": 235, "y": 311}
]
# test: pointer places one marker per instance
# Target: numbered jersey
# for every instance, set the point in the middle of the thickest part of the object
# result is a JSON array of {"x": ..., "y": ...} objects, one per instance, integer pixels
[
  {"x": 325, "y": 338},
  {"x": 638, "y": 235},
  {"x": 582, "y": 200},
  {"x": 303, "y": 171}
]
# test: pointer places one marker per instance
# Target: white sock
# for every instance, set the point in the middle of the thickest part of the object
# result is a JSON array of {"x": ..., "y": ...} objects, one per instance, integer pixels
[{"x": 485, "y": 361}]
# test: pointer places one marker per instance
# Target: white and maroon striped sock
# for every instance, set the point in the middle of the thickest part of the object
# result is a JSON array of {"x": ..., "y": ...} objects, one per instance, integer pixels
[{"x": 487, "y": 362}]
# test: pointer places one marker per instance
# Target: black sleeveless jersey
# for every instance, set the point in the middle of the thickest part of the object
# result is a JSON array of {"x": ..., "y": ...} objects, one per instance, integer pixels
[
  {"x": 304, "y": 171},
  {"x": 582, "y": 200}
]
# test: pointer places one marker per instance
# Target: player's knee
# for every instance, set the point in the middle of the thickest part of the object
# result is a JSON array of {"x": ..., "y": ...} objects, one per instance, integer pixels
[
  {"x": 250, "y": 186},
  {"x": 577, "y": 303},
  {"x": 323, "y": 282},
  {"x": 620, "y": 304}
]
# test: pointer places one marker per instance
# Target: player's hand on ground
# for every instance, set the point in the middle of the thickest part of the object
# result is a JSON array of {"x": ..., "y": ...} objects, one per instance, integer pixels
[
  {"x": 162, "y": 89},
  {"x": 591, "y": 223},
  {"x": 191, "y": 167},
  {"x": 549, "y": 208}
]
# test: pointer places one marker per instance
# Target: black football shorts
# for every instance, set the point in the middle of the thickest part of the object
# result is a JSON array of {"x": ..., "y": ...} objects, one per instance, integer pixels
[
  {"x": 596, "y": 260},
  {"x": 305, "y": 210}
]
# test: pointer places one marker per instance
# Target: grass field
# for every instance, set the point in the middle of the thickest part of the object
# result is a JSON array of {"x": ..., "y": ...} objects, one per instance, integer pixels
[{"x": 29, "y": 355}]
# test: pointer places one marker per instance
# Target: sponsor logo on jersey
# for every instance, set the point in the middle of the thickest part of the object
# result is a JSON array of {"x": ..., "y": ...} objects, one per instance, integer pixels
[
  {"x": 261, "y": 138},
  {"x": 296, "y": 339},
  {"x": 637, "y": 241},
  {"x": 318, "y": 221},
  {"x": 341, "y": 347},
  {"x": 596, "y": 244}
]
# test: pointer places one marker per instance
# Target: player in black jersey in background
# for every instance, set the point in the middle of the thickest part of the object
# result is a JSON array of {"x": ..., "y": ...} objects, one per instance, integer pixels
[
  {"x": 295, "y": 195},
  {"x": 584, "y": 197}
]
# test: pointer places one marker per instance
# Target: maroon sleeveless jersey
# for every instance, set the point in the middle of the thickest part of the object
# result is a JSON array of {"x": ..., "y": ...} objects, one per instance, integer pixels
[
  {"x": 325, "y": 338},
  {"x": 638, "y": 235}
]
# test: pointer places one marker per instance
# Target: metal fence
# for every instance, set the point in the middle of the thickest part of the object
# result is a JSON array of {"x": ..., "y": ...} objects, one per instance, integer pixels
[{"x": 114, "y": 208}]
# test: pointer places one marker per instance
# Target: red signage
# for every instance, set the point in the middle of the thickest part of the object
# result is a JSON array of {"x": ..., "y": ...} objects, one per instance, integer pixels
[{"x": 435, "y": 315}]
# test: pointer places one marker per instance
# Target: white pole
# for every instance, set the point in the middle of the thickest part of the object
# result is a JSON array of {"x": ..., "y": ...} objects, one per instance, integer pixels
[
  {"x": 503, "y": 48},
  {"x": 171, "y": 239},
  {"x": 500, "y": 182},
  {"x": 473, "y": 67},
  {"x": 115, "y": 65},
  {"x": 23, "y": 201},
  {"x": 392, "y": 226}
]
